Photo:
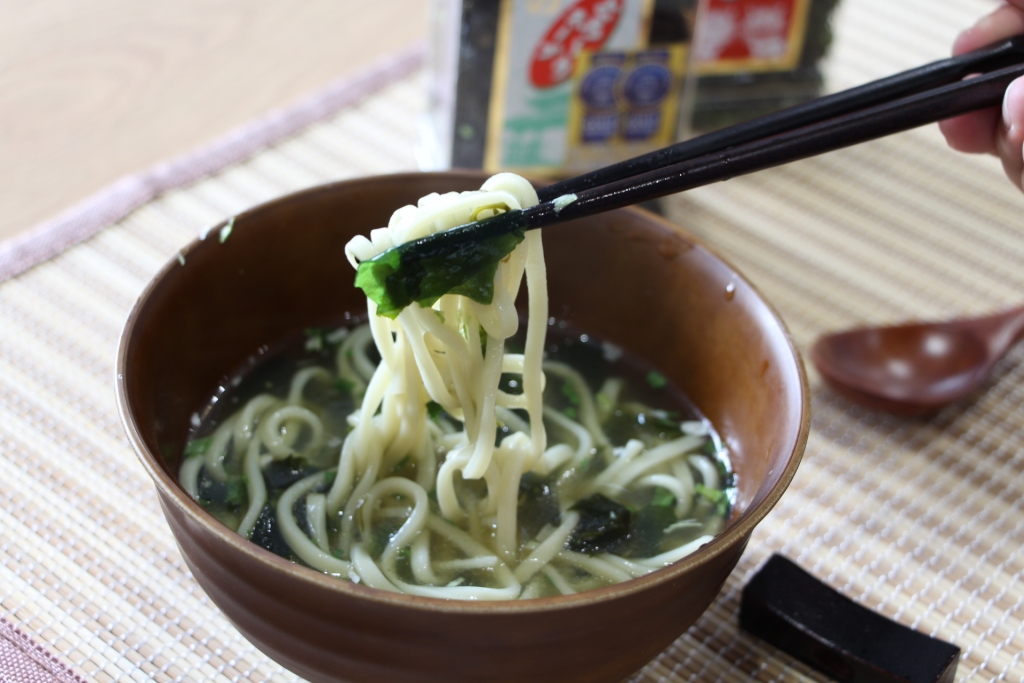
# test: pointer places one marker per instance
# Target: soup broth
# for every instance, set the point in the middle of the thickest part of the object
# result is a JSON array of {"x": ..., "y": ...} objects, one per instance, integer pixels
[{"x": 634, "y": 477}]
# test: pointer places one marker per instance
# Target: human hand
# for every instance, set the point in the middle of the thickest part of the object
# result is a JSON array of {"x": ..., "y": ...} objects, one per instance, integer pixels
[{"x": 998, "y": 131}]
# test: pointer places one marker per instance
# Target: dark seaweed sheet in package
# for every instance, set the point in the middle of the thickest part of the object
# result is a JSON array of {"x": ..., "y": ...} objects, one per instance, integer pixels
[{"x": 478, "y": 28}]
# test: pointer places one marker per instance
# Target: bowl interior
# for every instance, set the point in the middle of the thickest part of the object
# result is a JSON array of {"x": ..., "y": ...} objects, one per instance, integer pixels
[{"x": 627, "y": 277}]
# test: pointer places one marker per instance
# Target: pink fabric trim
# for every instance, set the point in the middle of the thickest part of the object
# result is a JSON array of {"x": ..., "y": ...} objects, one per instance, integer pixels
[
  {"x": 25, "y": 661},
  {"x": 114, "y": 202}
]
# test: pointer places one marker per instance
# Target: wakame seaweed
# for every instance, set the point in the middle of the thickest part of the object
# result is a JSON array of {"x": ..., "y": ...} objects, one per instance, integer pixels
[
  {"x": 460, "y": 261},
  {"x": 635, "y": 523},
  {"x": 648, "y": 530},
  {"x": 538, "y": 504},
  {"x": 604, "y": 525},
  {"x": 281, "y": 474},
  {"x": 266, "y": 534}
]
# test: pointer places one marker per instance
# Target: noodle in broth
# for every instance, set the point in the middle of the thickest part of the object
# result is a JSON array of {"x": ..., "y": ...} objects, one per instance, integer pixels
[{"x": 431, "y": 472}]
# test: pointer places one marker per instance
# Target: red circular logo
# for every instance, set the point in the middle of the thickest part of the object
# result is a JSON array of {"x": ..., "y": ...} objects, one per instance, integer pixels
[{"x": 585, "y": 25}]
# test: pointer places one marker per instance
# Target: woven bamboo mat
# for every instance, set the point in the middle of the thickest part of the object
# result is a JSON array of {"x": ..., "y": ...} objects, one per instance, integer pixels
[{"x": 922, "y": 521}]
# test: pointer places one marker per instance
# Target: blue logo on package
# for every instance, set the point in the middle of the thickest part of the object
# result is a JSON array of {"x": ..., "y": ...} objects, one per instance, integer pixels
[
  {"x": 641, "y": 125},
  {"x": 598, "y": 88},
  {"x": 597, "y": 92},
  {"x": 600, "y": 126},
  {"x": 647, "y": 85}
]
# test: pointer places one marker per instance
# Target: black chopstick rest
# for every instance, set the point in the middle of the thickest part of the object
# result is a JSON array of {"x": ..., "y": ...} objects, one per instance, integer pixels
[{"x": 800, "y": 615}]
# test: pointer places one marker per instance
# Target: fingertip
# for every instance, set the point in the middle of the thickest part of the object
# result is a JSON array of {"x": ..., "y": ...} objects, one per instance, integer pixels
[
  {"x": 972, "y": 133},
  {"x": 966, "y": 41},
  {"x": 1004, "y": 22},
  {"x": 1013, "y": 109}
]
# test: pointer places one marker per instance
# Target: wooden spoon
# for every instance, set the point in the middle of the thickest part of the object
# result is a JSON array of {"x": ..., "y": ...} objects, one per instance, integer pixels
[{"x": 919, "y": 368}]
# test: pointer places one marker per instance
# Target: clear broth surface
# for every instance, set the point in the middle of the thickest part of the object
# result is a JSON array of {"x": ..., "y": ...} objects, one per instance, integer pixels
[{"x": 632, "y": 524}]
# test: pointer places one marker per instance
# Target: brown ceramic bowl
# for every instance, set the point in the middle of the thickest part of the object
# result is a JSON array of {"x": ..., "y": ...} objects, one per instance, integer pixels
[{"x": 626, "y": 276}]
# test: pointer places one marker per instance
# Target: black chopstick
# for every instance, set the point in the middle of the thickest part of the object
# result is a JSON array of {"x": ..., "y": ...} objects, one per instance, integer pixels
[
  {"x": 896, "y": 116},
  {"x": 399, "y": 275},
  {"x": 984, "y": 60},
  {"x": 875, "y": 122}
]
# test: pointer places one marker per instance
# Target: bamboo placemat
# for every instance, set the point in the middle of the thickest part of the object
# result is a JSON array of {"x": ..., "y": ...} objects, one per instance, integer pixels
[{"x": 922, "y": 521}]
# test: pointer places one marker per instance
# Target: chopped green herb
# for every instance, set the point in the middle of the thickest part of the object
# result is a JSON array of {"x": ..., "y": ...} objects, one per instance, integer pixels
[
  {"x": 717, "y": 497},
  {"x": 400, "y": 465},
  {"x": 604, "y": 402},
  {"x": 330, "y": 476},
  {"x": 225, "y": 232},
  {"x": 343, "y": 385},
  {"x": 440, "y": 316},
  {"x": 569, "y": 391},
  {"x": 656, "y": 380},
  {"x": 405, "y": 553},
  {"x": 569, "y": 412},
  {"x": 198, "y": 447},
  {"x": 663, "y": 498},
  {"x": 236, "y": 494},
  {"x": 714, "y": 495},
  {"x": 434, "y": 410},
  {"x": 336, "y": 553}
]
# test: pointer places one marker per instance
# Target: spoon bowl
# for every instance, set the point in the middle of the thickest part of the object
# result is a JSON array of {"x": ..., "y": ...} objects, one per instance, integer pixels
[{"x": 918, "y": 368}]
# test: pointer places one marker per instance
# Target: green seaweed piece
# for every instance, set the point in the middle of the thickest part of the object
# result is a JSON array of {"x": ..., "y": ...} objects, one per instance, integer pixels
[
  {"x": 604, "y": 526},
  {"x": 198, "y": 447},
  {"x": 663, "y": 498},
  {"x": 569, "y": 391},
  {"x": 716, "y": 496},
  {"x": 460, "y": 261},
  {"x": 656, "y": 380},
  {"x": 236, "y": 493}
]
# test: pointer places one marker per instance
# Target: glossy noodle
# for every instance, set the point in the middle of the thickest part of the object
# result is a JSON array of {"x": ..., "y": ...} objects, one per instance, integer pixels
[{"x": 461, "y": 467}]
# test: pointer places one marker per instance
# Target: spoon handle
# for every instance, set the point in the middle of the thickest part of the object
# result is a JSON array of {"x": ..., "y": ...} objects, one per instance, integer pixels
[
  {"x": 1015, "y": 326},
  {"x": 998, "y": 331}
]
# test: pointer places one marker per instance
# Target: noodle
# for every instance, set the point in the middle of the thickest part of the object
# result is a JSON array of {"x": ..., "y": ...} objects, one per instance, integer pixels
[{"x": 420, "y": 496}]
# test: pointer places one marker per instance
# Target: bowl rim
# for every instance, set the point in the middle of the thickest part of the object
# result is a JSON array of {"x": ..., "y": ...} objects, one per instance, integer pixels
[{"x": 169, "y": 487}]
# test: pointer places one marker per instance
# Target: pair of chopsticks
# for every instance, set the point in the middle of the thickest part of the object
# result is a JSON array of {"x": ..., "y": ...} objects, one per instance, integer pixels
[
  {"x": 895, "y": 104},
  {"x": 424, "y": 269},
  {"x": 924, "y": 95}
]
